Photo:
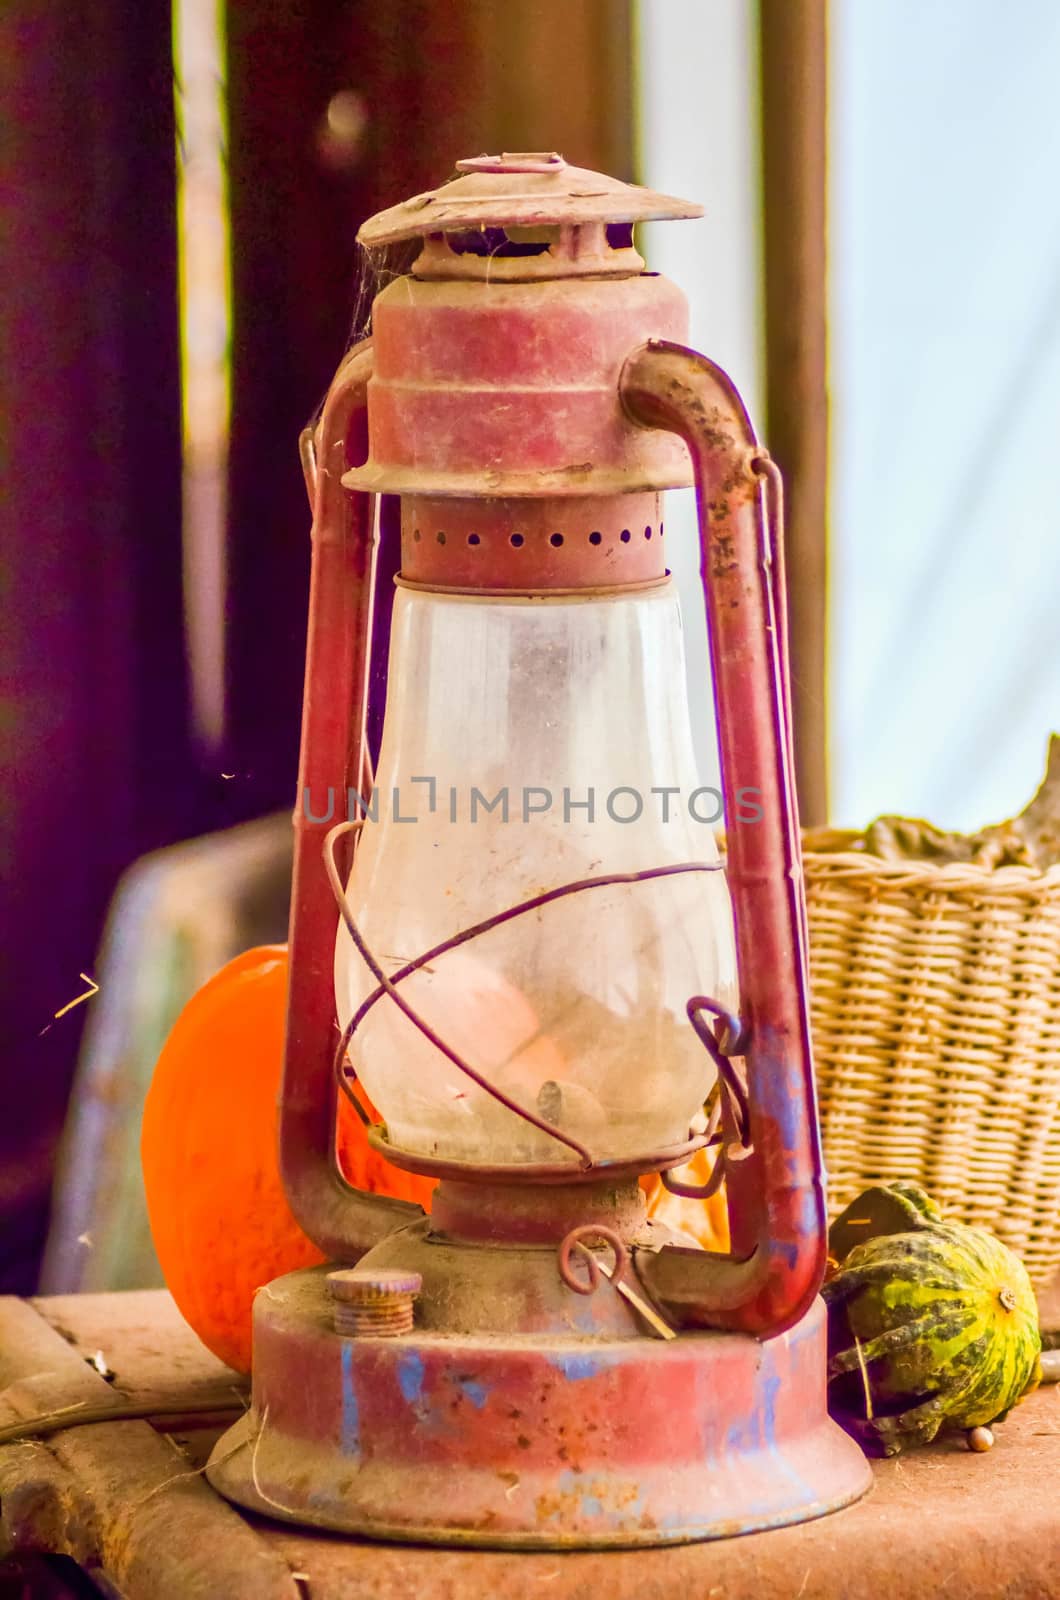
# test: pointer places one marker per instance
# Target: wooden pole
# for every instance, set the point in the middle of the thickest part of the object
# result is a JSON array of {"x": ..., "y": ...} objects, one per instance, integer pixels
[
  {"x": 793, "y": 53},
  {"x": 556, "y": 74}
]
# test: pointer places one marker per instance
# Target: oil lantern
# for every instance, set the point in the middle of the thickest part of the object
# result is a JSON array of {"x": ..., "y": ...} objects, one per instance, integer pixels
[{"x": 513, "y": 933}]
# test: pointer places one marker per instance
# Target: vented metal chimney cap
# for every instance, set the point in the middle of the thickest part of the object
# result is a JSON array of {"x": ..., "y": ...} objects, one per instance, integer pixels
[{"x": 526, "y": 189}]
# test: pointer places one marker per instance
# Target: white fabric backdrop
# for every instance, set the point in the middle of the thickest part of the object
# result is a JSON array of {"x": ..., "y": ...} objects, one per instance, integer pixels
[
  {"x": 944, "y": 675},
  {"x": 945, "y": 660}
]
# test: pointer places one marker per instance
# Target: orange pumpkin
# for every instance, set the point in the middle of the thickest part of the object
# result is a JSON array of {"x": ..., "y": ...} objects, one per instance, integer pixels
[{"x": 219, "y": 1216}]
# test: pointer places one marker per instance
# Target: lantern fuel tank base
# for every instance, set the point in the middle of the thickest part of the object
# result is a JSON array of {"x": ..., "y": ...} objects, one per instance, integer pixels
[{"x": 532, "y": 1441}]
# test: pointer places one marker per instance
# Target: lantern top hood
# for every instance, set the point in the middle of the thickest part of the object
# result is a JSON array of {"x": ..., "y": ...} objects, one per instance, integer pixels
[
  {"x": 496, "y": 355},
  {"x": 525, "y": 190}
]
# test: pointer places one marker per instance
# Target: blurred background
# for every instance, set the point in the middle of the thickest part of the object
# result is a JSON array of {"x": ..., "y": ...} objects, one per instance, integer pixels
[{"x": 878, "y": 268}]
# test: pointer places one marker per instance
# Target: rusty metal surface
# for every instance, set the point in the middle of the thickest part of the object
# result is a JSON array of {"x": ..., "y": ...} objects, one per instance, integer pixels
[
  {"x": 518, "y": 1214},
  {"x": 342, "y": 1221},
  {"x": 506, "y": 390},
  {"x": 940, "y": 1521},
  {"x": 589, "y": 1436},
  {"x": 581, "y": 542},
  {"x": 507, "y": 191},
  {"x": 776, "y": 1194},
  {"x": 490, "y": 1287},
  {"x": 589, "y": 1169}
]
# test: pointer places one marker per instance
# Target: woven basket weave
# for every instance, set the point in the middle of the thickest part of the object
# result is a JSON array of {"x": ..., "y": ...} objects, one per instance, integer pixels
[{"x": 935, "y": 995}]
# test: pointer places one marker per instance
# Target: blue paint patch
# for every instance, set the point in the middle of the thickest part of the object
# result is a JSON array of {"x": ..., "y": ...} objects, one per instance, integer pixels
[
  {"x": 789, "y": 1251},
  {"x": 770, "y": 1389},
  {"x": 744, "y": 1438},
  {"x": 576, "y": 1366},
  {"x": 591, "y": 1506},
  {"x": 807, "y": 1494},
  {"x": 584, "y": 1318},
  {"x": 776, "y": 1103},
  {"x": 476, "y": 1392},
  {"x": 351, "y": 1411},
  {"x": 410, "y": 1376}
]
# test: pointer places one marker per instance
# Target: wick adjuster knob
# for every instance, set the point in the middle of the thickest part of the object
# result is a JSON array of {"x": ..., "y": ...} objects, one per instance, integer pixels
[{"x": 378, "y": 1304}]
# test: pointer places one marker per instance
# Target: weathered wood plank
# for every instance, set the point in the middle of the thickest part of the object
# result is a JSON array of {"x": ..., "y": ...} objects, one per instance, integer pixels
[{"x": 116, "y": 1495}]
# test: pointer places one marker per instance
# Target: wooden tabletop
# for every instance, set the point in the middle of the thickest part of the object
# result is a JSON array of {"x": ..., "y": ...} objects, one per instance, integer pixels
[{"x": 128, "y": 1502}]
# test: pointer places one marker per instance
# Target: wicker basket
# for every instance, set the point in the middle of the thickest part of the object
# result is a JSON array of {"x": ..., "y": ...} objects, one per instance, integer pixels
[{"x": 936, "y": 1023}]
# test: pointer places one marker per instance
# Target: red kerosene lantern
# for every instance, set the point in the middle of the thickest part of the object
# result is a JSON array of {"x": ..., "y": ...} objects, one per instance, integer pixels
[{"x": 533, "y": 959}]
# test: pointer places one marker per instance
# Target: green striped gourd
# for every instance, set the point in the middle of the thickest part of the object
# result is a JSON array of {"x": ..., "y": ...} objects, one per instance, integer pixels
[{"x": 932, "y": 1324}]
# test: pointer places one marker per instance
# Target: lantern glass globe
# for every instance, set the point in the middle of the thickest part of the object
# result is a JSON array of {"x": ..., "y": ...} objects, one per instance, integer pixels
[{"x": 530, "y": 743}]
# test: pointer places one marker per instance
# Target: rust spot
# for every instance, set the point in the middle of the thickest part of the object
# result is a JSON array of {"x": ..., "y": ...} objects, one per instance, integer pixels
[
  {"x": 569, "y": 1504},
  {"x": 523, "y": 1442},
  {"x": 721, "y": 555},
  {"x": 548, "y": 1506}
]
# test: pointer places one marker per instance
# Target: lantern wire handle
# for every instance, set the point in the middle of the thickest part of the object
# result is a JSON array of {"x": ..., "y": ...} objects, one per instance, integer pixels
[
  {"x": 772, "y": 522},
  {"x": 387, "y": 985},
  {"x": 764, "y": 467},
  {"x": 730, "y": 1037},
  {"x": 726, "y": 1041}
]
